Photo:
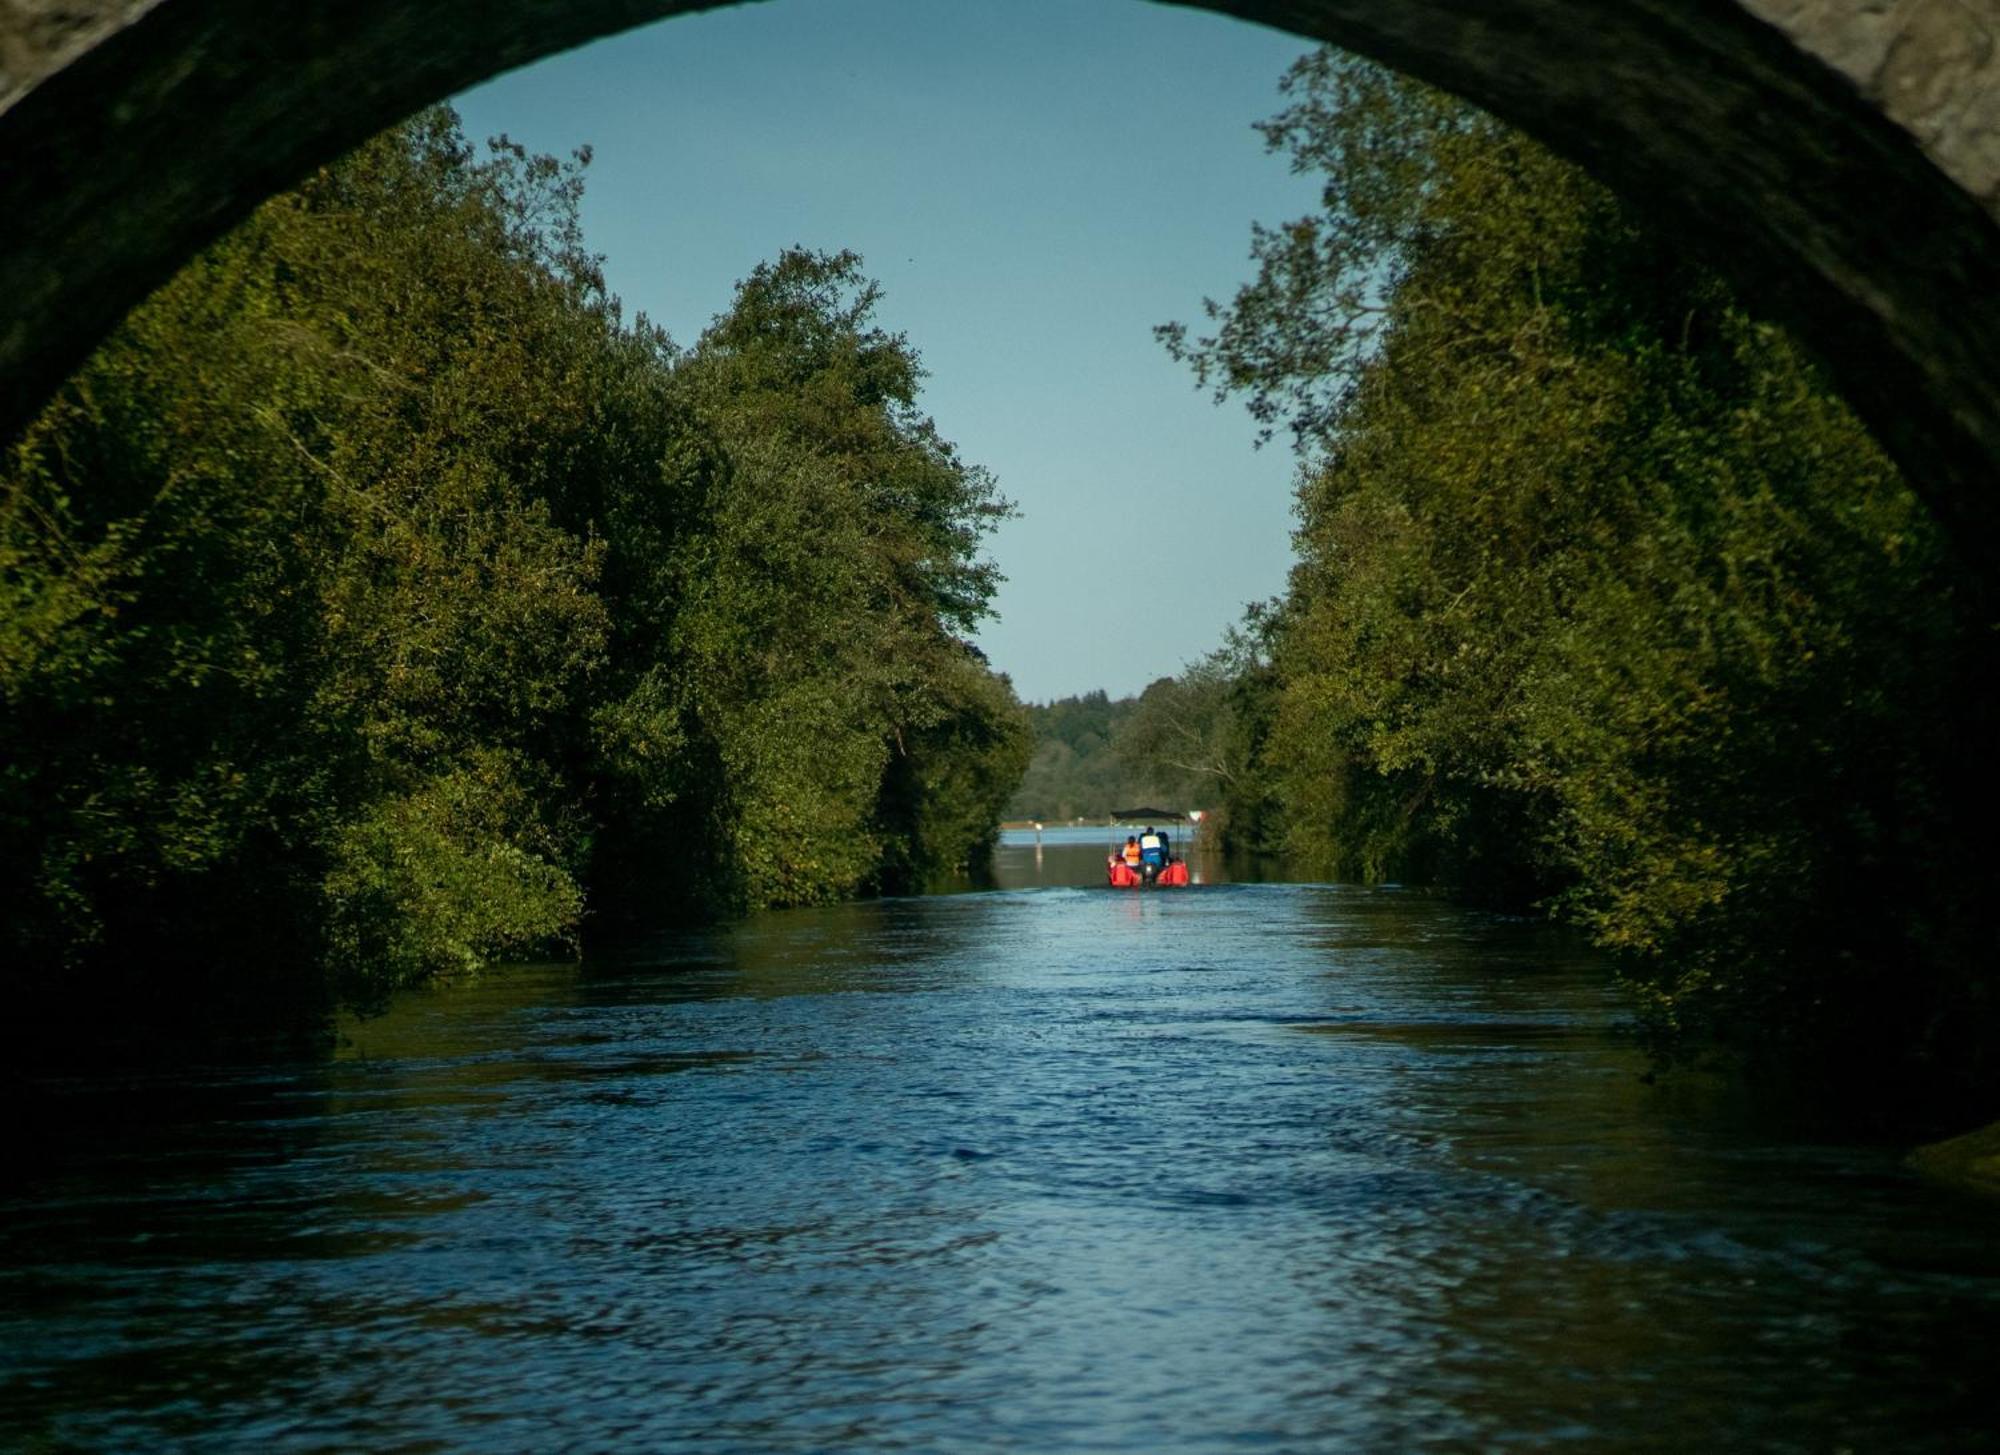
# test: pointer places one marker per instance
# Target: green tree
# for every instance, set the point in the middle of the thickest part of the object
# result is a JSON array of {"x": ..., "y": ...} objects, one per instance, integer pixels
[
  {"x": 1603, "y": 601},
  {"x": 820, "y": 592},
  {"x": 1072, "y": 772},
  {"x": 312, "y": 476},
  {"x": 377, "y": 601}
]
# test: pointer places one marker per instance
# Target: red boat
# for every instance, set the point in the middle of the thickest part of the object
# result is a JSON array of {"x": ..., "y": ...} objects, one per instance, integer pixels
[{"x": 1145, "y": 857}]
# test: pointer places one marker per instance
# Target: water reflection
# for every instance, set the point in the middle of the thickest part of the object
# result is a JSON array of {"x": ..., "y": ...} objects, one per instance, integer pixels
[{"x": 1040, "y": 1169}]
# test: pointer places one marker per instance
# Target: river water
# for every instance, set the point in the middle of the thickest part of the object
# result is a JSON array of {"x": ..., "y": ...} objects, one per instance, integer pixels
[{"x": 1238, "y": 1167}]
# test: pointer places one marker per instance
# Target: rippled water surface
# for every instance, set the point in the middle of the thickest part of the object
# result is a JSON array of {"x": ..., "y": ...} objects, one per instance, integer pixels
[{"x": 1238, "y": 1167}]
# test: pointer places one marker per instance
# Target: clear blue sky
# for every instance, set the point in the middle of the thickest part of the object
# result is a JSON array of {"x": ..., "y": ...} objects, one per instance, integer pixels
[{"x": 1035, "y": 184}]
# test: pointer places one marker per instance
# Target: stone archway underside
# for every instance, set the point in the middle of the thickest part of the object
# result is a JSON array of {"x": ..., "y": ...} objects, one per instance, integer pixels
[{"x": 1840, "y": 159}]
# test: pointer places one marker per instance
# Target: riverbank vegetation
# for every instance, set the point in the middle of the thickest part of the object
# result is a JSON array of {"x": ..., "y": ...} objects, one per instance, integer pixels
[
  {"x": 1176, "y": 744},
  {"x": 378, "y": 602},
  {"x": 1083, "y": 765},
  {"x": 1073, "y": 773},
  {"x": 1604, "y": 604}
]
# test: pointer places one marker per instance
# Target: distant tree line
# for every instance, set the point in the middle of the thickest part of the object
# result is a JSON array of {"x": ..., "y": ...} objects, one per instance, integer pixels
[
  {"x": 1094, "y": 754},
  {"x": 378, "y": 603},
  {"x": 1604, "y": 604},
  {"x": 1072, "y": 773}
]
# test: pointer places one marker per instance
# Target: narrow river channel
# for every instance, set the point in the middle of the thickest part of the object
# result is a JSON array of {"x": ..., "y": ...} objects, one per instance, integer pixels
[{"x": 1242, "y": 1166}]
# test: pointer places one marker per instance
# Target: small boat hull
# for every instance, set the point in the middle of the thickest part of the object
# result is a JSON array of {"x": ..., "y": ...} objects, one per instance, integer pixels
[{"x": 1168, "y": 876}]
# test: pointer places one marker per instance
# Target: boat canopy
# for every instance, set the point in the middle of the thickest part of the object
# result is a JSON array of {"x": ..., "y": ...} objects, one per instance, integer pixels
[{"x": 1138, "y": 815}]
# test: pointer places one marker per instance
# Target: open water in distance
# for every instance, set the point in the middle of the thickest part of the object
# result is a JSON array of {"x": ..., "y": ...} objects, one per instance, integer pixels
[{"x": 1243, "y": 1166}]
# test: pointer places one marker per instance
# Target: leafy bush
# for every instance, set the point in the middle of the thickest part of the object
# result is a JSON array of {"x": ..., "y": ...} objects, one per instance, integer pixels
[
  {"x": 1604, "y": 602},
  {"x": 377, "y": 599}
]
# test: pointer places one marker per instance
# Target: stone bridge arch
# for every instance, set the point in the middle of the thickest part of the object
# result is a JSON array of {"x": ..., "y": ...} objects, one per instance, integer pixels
[{"x": 1839, "y": 158}]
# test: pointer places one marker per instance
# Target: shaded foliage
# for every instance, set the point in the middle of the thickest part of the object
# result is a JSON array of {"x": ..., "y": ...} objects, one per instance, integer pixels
[
  {"x": 1071, "y": 773},
  {"x": 1185, "y": 742},
  {"x": 1604, "y": 603},
  {"x": 378, "y": 599},
  {"x": 1084, "y": 765}
]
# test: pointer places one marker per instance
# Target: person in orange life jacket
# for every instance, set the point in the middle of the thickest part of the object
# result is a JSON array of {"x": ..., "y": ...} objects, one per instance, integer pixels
[{"x": 1132, "y": 851}]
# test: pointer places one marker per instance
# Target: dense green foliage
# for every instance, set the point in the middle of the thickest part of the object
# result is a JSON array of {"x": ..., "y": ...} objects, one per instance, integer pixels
[
  {"x": 1073, "y": 773},
  {"x": 1093, "y": 755},
  {"x": 1207, "y": 728},
  {"x": 1603, "y": 601},
  {"x": 378, "y": 602}
]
